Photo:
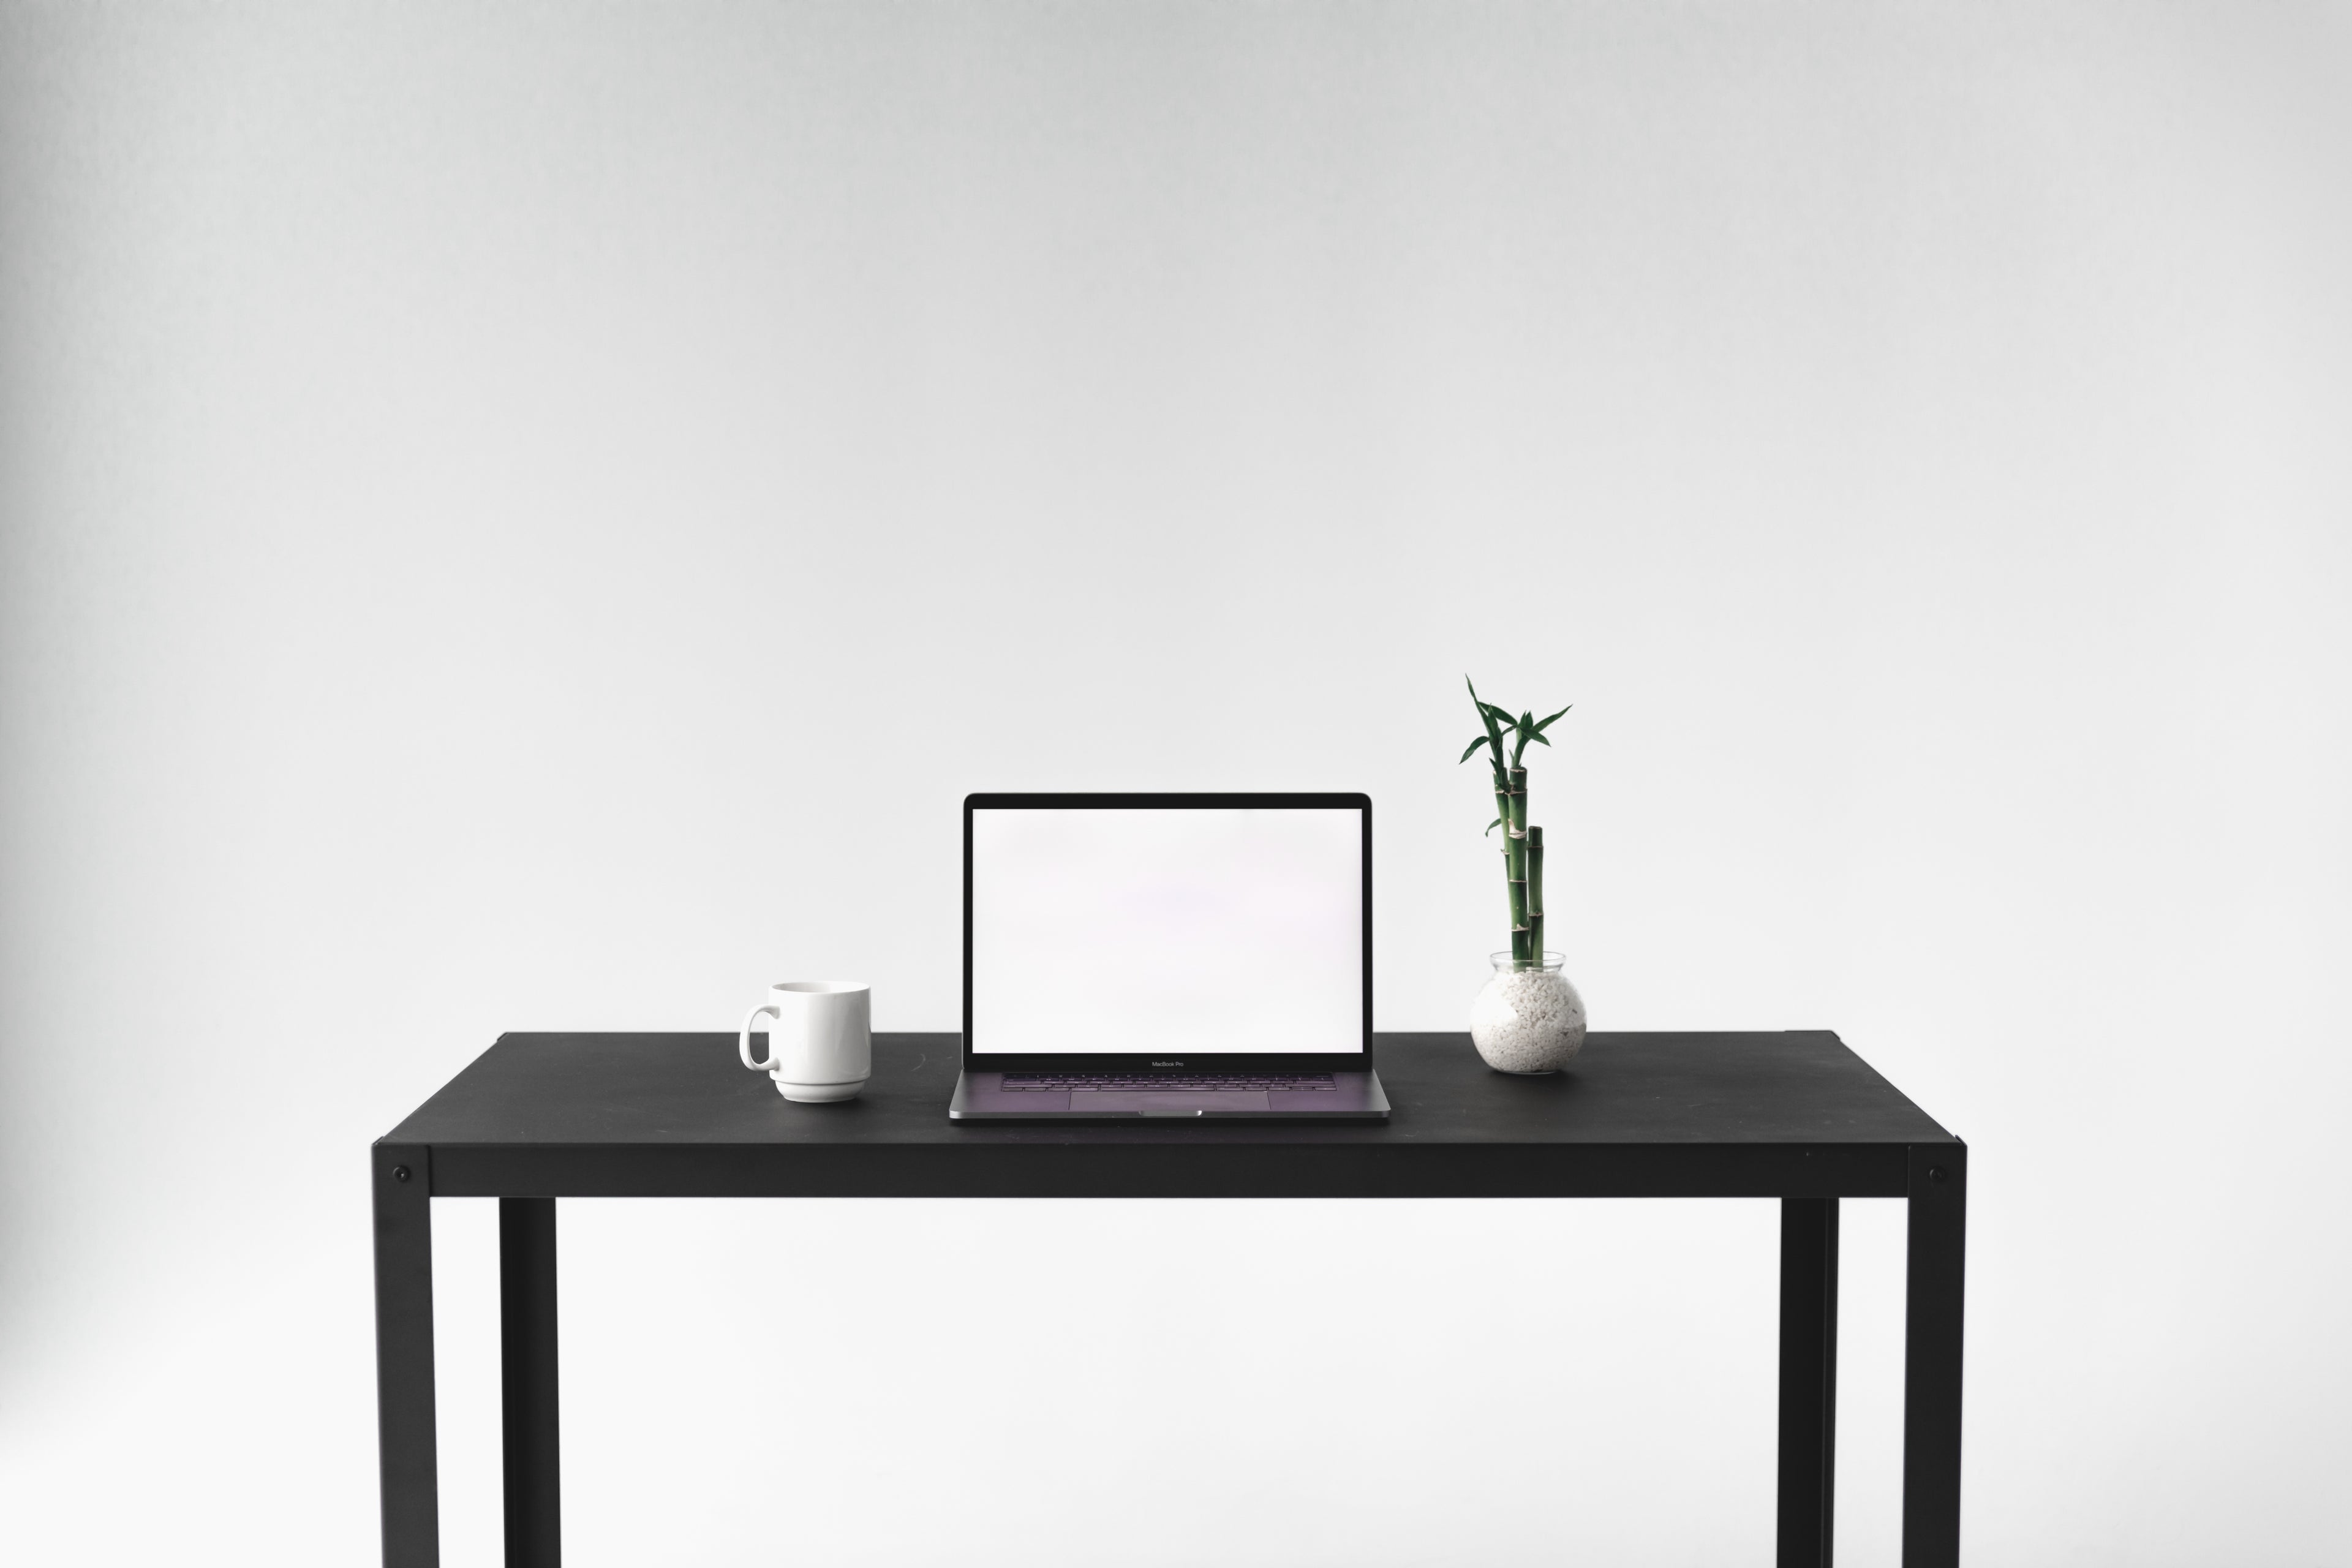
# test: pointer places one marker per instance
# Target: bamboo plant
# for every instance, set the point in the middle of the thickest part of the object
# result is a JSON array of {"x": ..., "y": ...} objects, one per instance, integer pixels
[{"x": 1522, "y": 844}]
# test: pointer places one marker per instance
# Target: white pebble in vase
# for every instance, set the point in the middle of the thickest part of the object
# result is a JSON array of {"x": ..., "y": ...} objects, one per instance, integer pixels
[{"x": 1527, "y": 1018}]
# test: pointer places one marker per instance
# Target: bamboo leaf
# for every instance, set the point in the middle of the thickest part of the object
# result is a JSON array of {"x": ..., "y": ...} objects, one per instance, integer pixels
[
  {"x": 1473, "y": 746},
  {"x": 1545, "y": 724},
  {"x": 1541, "y": 739},
  {"x": 1492, "y": 826},
  {"x": 1486, "y": 711}
]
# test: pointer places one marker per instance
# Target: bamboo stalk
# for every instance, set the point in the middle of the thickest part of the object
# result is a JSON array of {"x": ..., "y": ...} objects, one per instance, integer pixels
[
  {"x": 1514, "y": 860},
  {"x": 1518, "y": 885},
  {"x": 1515, "y": 825},
  {"x": 1535, "y": 894}
]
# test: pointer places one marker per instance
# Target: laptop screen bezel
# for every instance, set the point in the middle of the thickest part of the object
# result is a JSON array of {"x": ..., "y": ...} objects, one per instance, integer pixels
[{"x": 1360, "y": 1060}]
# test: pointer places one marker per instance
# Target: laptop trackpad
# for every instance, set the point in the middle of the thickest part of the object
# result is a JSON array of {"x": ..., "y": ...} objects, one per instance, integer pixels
[{"x": 1164, "y": 1102}]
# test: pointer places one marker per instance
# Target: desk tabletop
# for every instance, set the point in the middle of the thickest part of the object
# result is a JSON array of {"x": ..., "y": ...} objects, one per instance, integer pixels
[{"x": 1793, "y": 1114}]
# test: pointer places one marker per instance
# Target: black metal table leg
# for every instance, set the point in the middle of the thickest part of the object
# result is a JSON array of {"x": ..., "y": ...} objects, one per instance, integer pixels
[
  {"x": 401, "y": 1175},
  {"x": 1809, "y": 1303},
  {"x": 527, "y": 1376},
  {"x": 1931, "y": 1356}
]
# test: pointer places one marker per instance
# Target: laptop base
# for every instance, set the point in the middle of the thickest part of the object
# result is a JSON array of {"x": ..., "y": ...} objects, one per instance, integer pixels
[{"x": 1352, "y": 1097}]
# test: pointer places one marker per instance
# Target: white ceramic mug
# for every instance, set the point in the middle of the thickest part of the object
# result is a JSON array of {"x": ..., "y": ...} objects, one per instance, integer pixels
[{"x": 820, "y": 1047}]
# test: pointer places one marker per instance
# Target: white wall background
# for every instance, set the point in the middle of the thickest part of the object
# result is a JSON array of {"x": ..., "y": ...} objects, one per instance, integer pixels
[{"x": 525, "y": 516}]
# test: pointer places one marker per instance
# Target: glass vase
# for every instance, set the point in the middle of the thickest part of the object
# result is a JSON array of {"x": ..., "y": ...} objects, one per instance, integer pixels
[{"x": 1527, "y": 1018}]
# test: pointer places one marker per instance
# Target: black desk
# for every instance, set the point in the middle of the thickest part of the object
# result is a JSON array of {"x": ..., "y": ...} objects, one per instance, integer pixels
[{"x": 1794, "y": 1116}]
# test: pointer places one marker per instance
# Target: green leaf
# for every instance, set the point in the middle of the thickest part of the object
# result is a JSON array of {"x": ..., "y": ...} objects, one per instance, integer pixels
[
  {"x": 1492, "y": 826},
  {"x": 1486, "y": 710},
  {"x": 1541, "y": 739},
  {"x": 1545, "y": 724},
  {"x": 1473, "y": 746}
]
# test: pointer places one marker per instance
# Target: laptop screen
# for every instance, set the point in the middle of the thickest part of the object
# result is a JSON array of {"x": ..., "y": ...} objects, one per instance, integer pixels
[{"x": 1171, "y": 933}]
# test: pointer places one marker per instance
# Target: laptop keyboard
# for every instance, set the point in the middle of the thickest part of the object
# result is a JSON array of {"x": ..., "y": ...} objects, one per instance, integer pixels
[{"x": 1015, "y": 1082}]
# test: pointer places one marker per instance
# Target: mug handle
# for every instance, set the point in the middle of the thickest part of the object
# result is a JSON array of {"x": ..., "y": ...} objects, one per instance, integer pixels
[{"x": 743, "y": 1040}]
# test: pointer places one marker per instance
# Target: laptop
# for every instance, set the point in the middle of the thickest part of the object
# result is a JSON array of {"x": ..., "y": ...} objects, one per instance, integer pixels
[{"x": 1192, "y": 957}]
